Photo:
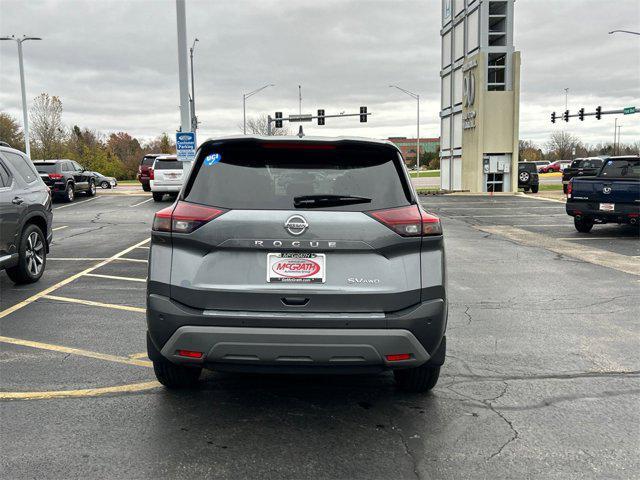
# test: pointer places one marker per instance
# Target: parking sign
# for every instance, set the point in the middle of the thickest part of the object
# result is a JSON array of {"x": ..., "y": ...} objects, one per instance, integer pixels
[{"x": 186, "y": 146}]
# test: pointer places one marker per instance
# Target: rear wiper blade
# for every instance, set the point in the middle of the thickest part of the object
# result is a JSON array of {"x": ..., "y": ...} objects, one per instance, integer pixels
[{"x": 327, "y": 200}]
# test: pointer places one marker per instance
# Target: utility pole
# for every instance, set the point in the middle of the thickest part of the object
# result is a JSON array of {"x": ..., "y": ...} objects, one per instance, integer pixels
[
  {"x": 417, "y": 98},
  {"x": 619, "y": 128},
  {"x": 25, "y": 116},
  {"x": 194, "y": 119},
  {"x": 244, "y": 106},
  {"x": 300, "y": 99},
  {"x": 183, "y": 77},
  {"x": 566, "y": 99},
  {"x": 615, "y": 134}
]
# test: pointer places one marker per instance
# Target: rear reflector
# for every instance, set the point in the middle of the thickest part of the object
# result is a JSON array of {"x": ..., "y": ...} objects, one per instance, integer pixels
[
  {"x": 189, "y": 354},
  {"x": 410, "y": 221},
  {"x": 184, "y": 217},
  {"x": 396, "y": 357}
]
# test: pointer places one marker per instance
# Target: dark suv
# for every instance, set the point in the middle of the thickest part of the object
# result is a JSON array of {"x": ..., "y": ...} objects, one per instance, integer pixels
[
  {"x": 580, "y": 167},
  {"x": 144, "y": 170},
  {"x": 65, "y": 178},
  {"x": 297, "y": 255},
  {"x": 528, "y": 176},
  {"x": 25, "y": 218}
]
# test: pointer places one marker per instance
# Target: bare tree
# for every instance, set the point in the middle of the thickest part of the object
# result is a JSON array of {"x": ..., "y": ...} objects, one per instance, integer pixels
[
  {"x": 529, "y": 151},
  {"x": 258, "y": 126},
  {"x": 561, "y": 145},
  {"x": 46, "y": 126}
]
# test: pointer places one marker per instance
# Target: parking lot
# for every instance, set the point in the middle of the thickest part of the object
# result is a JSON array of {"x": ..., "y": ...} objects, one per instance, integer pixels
[{"x": 542, "y": 377}]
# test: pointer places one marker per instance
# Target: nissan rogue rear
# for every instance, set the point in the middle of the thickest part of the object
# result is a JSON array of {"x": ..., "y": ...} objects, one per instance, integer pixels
[{"x": 294, "y": 255}]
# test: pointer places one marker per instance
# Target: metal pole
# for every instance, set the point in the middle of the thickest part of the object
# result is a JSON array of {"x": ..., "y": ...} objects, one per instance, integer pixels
[
  {"x": 194, "y": 121},
  {"x": 566, "y": 99},
  {"x": 244, "y": 114},
  {"x": 418, "y": 138},
  {"x": 185, "y": 118},
  {"x": 24, "y": 101},
  {"x": 300, "y": 99},
  {"x": 269, "y": 125},
  {"x": 615, "y": 134},
  {"x": 619, "y": 128}
]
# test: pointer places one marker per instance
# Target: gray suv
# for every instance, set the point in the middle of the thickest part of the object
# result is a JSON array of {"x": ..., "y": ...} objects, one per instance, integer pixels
[{"x": 297, "y": 255}]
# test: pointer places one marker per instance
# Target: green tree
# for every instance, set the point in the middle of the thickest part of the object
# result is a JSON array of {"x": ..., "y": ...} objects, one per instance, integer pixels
[{"x": 10, "y": 131}]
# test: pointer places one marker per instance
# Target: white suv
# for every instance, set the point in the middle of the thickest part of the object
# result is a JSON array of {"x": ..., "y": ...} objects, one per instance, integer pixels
[{"x": 165, "y": 176}]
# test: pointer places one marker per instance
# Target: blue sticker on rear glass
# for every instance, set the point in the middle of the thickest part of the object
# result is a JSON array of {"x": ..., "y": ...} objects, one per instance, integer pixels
[{"x": 212, "y": 158}]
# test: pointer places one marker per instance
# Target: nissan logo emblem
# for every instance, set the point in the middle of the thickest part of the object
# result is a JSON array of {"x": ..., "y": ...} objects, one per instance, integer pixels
[{"x": 296, "y": 225}]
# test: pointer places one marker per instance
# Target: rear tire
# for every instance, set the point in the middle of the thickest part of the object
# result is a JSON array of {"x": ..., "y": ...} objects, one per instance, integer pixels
[
  {"x": 157, "y": 196},
  {"x": 534, "y": 189},
  {"x": 69, "y": 193},
  {"x": 92, "y": 188},
  {"x": 583, "y": 225},
  {"x": 419, "y": 379},
  {"x": 176, "y": 376},
  {"x": 32, "y": 256}
]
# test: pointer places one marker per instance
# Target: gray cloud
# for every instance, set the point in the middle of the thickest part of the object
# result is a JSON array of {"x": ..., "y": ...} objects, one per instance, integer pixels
[{"x": 114, "y": 63}]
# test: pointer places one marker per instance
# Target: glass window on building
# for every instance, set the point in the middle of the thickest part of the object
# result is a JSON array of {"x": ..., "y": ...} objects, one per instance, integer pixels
[
  {"x": 445, "y": 141},
  {"x": 473, "y": 36},
  {"x": 446, "y": 91},
  {"x": 458, "y": 41},
  {"x": 446, "y": 49},
  {"x": 457, "y": 86},
  {"x": 457, "y": 130},
  {"x": 459, "y": 6}
]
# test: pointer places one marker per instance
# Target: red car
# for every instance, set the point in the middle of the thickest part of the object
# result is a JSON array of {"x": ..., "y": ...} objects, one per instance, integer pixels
[
  {"x": 143, "y": 170},
  {"x": 557, "y": 166}
]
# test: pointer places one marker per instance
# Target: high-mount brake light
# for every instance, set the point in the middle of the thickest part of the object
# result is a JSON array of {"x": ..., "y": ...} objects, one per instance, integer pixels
[
  {"x": 299, "y": 146},
  {"x": 409, "y": 221},
  {"x": 184, "y": 217}
]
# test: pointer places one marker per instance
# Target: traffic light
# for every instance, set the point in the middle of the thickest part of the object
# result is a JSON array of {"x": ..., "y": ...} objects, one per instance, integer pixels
[
  {"x": 553, "y": 117},
  {"x": 581, "y": 114},
  {"x": 278, "y": 119},
  {"x": 565, "y": 116},
  {"x": 320, "y": 117},
  {"x": 598, "y": 112},
  {"x": 363, "y": 114}
]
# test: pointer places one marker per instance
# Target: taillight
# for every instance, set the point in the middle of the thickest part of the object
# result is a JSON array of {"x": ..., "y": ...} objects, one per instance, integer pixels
[
  {"x": 56, "y": 176},
  {"x": 411, "y": 221},
  {"x": 184, "y": 217},
  {"x": 570, "y": 187},
  {"x": 151, "y": 177}
]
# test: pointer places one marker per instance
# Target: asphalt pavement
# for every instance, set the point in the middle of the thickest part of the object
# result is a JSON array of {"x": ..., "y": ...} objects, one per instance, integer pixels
[{"x": 542, "y": 378}]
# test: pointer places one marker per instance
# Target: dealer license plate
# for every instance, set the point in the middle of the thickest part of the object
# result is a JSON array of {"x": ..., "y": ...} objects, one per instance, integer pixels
[
  {"x": 296, "y": 267},
  {"x": 607, "y": 207}
]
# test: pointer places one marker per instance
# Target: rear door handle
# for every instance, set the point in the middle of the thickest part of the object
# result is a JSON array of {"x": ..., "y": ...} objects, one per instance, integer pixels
[
  {"x": 17, "y": 201},
  {"x": 295, "y": 301}
]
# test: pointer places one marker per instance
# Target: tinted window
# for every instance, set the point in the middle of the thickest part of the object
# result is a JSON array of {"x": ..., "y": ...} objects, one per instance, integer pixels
[
  {"x": 23, "y": 166},
  {"x": 5, "y": 176},
  {"x": 148, "y": 161},
  {"x": 46, "y": 167},
  {"x": 254, "y": 177},
  {"x": 167, "y": 165},
  {"x": 68, "y": 167},
  {"x": 528, "y": 167},
  {"x": 622, "y": 168},
  {"x": 77, "y": 166}
]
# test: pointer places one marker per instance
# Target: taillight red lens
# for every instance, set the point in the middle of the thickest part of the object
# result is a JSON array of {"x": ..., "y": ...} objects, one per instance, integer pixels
[
  {"x": 410, "y": 221},
  {"x": 570, "y": 187},
  {"x": 151, "y": 176},
  {"x": 184, "y": 217},
  {"x": 56, "y": 176}
]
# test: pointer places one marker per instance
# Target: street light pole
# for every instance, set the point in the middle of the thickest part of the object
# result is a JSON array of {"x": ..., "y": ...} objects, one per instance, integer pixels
[
  {"x": 194, "y": 119},
  {"x": 23, "y": 89},
  {"x": 417, "y": 98},
  {"x": 566, "y": 99},
  {"x": 244, "y": 105}
]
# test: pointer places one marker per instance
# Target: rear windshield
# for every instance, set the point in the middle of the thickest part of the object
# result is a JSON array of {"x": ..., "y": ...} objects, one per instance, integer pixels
[
  {"x": 528, "y": 167},
  {"x": 259, "y": 178},
  {"x": 586, "y": 163},
  {"x": 167, "y": 165},
  {"x": 148, "y": 161},
  {"x": 621, "y": 168},
  {"x": 46, "y": 167}
]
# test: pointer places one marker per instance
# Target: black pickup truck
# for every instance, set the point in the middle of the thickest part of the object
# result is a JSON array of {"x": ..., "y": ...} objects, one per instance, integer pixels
[
  {"x": 611, "y": 196},
  {"x": 581, "y": 167}
]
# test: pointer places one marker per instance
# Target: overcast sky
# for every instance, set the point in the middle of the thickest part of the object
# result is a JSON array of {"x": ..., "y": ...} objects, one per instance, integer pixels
[{"x": 114, "y": 63}]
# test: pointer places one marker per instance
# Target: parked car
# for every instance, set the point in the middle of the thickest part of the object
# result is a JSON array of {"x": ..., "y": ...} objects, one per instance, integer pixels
[
  {"x": 65, "y": 178},
  {"x": 105, "y": 182},
  {"x": 557, "y": 166},
  {"x": 165, "y": 176},
  {"x": 528, "y": 176},
  {"x": 337, "y": 268},
  {"x": 580, "y": 167},
  {"x": 611, "y": 196},
  {"x": 25, "y": 218},
  {"x": 540, "y": 164},
  {"x": 143, "y": 170}
]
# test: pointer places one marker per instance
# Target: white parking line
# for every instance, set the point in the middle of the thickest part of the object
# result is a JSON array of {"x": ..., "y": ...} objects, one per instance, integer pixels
[
  {"x": 91, "y": 303},
  {"x": 599, "y": 238},
  {"x": 77, "y": 203},
  {"x": 144, "y": 201},
  {"x": 59, "y": 228},
  {"x": 116, "y": 277}
]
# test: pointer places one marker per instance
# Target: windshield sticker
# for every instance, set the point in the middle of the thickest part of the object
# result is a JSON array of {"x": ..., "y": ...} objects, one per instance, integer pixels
[{"x": 212, "y": 159}]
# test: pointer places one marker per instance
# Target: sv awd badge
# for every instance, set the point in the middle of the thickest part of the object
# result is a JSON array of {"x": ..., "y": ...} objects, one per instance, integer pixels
[{"x": 357, "y": 281}]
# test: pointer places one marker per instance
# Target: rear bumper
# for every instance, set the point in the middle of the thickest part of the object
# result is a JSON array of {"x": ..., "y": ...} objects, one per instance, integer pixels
[
  {"x": 274, "y": 339},
  {"x": 623, "y": 213},
  {"x": 165, "y": 188}
]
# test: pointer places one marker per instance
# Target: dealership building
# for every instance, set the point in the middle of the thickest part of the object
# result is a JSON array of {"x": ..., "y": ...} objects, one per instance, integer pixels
[{"x": 480, "y": 97}]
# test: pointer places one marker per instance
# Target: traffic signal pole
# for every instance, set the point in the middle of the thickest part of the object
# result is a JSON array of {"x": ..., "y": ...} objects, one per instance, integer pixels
[
  {"x": 308, "y": 118},
  {"x": 598, "y": 113}
]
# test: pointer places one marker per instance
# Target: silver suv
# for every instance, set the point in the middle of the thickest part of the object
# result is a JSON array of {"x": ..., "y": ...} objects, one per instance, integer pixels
[{"x": 297, "y": 255}]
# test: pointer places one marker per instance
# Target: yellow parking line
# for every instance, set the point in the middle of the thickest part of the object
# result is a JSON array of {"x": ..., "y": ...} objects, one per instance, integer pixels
[
  {"x": 116, "y": 277},
  {"x": 139, "y": 355},
  {"x": 68, "y": 280},
  {"x": 87, "y": 392},
  {"x": 76, "y": 351},
  {"x": 59, "y": 228},
  {"x": 95, "y": 304}
]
